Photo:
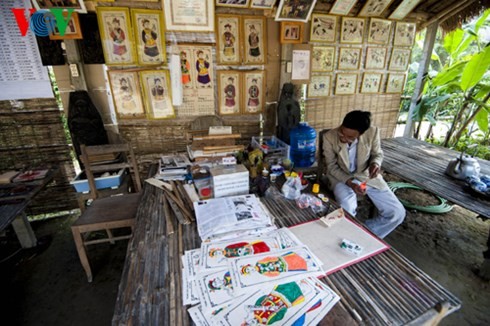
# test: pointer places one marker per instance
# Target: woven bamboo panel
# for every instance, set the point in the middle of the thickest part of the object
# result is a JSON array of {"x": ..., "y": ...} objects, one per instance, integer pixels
[
  {"x": 32, "y": 135},
  {"x": 329, "y": 112}
]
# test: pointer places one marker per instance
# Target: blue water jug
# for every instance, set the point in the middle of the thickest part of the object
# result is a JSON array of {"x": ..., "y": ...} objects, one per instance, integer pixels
[{"x": 303, "y": 145}]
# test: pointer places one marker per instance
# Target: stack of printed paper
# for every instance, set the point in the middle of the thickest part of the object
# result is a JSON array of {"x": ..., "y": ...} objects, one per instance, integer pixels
[
  {"x": 261, "y": 280},
  {"x": 231, "y": 217}
]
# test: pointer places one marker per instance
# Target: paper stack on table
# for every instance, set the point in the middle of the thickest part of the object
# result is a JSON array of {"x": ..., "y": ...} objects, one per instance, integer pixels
[
  {"x": 172, "y": 167},
  {"x": 231, "y": 216},
  {"x": 262, "y": 280}
]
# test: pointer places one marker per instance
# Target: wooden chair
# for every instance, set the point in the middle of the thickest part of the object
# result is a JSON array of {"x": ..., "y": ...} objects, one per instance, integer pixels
[{"x": 105, "y": 213}]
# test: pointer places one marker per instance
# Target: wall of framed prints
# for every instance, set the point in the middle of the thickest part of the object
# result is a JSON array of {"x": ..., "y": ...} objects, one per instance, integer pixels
[{"x": 229, "y": 58}]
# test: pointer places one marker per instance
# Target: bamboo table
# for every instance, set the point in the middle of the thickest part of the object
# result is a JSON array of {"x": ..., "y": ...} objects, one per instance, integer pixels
[
  {"x": 12, "y": 208},
  {"x": 424, "y": 165},
  {"x": 386, "y": 289}
]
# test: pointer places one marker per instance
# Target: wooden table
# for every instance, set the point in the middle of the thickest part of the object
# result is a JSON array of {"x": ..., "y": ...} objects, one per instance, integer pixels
[
  {"x": 386, "y": 289},
  {"x": 12, "y": 208},
  {"x": 424, "y": 165}
]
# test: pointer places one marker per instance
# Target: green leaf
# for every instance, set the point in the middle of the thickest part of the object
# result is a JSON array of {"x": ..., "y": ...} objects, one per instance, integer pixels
[
  {"x": 482, "y": 120},
  {"x": 475, "y": 69},
  {"x": 452, "y": 41},
  {"x": 450, "y": 74},
  {"x": 481, "y": 20},
  {"x": 464, "y": 45},
  {"x": 484, "y": 90}
]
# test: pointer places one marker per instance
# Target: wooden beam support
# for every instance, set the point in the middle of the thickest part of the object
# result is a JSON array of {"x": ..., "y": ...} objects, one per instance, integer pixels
[
  {"x": 430, "y": 37},
  {"x": 448, "y": 13},
  {"x": 73, "y": 58}
]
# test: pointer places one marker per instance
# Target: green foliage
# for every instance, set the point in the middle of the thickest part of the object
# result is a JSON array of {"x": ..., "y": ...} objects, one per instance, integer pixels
[{"x": 475, "y": 69}]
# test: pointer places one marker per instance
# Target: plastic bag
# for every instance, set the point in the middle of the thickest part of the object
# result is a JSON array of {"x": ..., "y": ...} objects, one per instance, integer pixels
[
  {"x": 307, "y": 200},
  {"x": 292, "y": 188}
]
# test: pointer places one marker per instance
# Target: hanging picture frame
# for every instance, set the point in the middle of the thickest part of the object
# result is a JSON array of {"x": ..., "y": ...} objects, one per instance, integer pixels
[
  {"x": 254, "y": 39},
  {"x": 189, "y": 16},
  {"x": 371, "y": 82},
  {"x": 395, "y": 83},
  {"x": 400, "y": 58},
  {"x": 125, "y": 88},
  {"x": 262, "y": 4},
  {"x": 116, "y": 35},
  {"x": 374, "y": 8},
  {"x": 76, "y": 5},
  {"x": 379, "y": 31},
  {"x": 319, "y": 86},
  {"x": 150, "y": 36},
  {"x": 203, "y": 66},
  {"x": 254, "y": 96},
  {"x": 323, "y": 28},
  {"x": 157, "y": 94},
  {"x": 404, "y": 9},
  {"x": 404, "y": 34},
  {"x": 301, "y": 63},
  {"x": 352, "y": 30},
  {"x": 323, "y": 58},
  {"x": 228, "y": 39},
  {"x": 72, "y": 31},
  {"x": 342, "y": 7},
  {"x": 233, "y": 3},
  {"x": 346, "y": 84},
  {"x": 294, "y": 10},
  {"x": 376, "y": 57},
  {"x": 229, "y": 92},
  {"x": 291, "y": 32},
  {"x": 349, "y": 58}
]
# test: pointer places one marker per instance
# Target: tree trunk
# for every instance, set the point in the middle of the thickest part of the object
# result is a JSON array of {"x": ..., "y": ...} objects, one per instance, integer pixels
[{"x": 467, "y": 122}]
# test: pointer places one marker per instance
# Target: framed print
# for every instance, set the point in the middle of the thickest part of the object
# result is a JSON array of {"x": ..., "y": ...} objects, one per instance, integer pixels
[
  {"x": 323, "y": 28},
  {"x": 352, "y": 30},
  {"x": 349, "y": 58},
  {"x": 374, "y": 8},
  {"x": 233, "y": 3},
  {"x": 301, "y": 63},
  {"x": 156, "y": 92},
  {"x": 319, "y": 86},
  {"x": 371, "y": 82},
  {"x": 404, "y": 34},
  {"x": 254, "y": 91},
  {"x": 379, "y": 31},
  {"x": 254, "y": 31},
  {"x": 228, "y": 39},
  {"x": 126, "y": 93},
  {"x": 400, "y": 58},
  {"x": 186, "y": 67},
  {"x": 291, "y": 32},
  {"x": 77, "y": 5},
  {"x": 116, "y": 34},
  {"x": 229, "y": 92},
  {"x": 72, "y": 31},
  {"x": 323, "y": 58},
  {"x": 203, "y": 67},
  {"x": 342, "y": 7},
  {"x": 189, "y": 16},
  {"x": 295, "y": 10},
  {"x": 150, "y": 36},
  {"x": 376, "y": 58},
  {"x": 346, "y": 84},
  {"x": 395, "y": 83},
  {"x": 404, "y": 9},
  {"x": 262, "y": 4}
]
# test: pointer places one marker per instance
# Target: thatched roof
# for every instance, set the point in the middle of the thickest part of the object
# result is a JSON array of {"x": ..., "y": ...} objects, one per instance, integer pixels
[{"x": 450, "y": 13}]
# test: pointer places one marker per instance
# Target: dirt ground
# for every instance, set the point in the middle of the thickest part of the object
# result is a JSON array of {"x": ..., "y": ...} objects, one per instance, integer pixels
[{"x": 47, "y": 285}]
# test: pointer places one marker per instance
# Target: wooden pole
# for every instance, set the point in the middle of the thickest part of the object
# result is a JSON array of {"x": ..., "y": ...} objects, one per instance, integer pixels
[{"x": 430, "y": 38}]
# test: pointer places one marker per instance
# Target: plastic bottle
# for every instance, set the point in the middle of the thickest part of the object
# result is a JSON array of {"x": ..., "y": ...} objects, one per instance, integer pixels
[{"x": 303, "y": 145}]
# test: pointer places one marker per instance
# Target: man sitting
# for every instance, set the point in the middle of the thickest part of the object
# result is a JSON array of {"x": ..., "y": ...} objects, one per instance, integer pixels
[{"x": 353, "y": 159}]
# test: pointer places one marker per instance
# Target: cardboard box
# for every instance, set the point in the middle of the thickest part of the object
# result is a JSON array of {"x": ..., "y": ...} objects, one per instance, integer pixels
[
  {"x": 230, "y": 180},
  {"x": 113, "y": 181}
]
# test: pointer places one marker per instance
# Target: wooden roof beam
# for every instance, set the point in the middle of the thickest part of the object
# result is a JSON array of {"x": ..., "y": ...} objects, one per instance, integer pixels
[{"x": 448, "y": 13}]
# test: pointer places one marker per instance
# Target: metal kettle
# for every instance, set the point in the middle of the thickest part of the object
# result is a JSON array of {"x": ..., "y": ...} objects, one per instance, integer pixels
[{"x": 463, "y": 166}]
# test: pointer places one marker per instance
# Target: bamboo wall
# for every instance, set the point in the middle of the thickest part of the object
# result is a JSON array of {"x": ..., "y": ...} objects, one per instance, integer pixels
[{"x": 32, "y": 135}]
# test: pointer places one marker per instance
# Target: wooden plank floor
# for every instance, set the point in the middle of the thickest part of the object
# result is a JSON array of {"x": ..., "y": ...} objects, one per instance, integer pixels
[{"x": 424, "y": 165}]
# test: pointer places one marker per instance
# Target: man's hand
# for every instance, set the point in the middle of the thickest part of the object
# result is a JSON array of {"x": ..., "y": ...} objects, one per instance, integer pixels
[
  {"x": 356, "y": 187},
  {"x": 373, "y": 170}
]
